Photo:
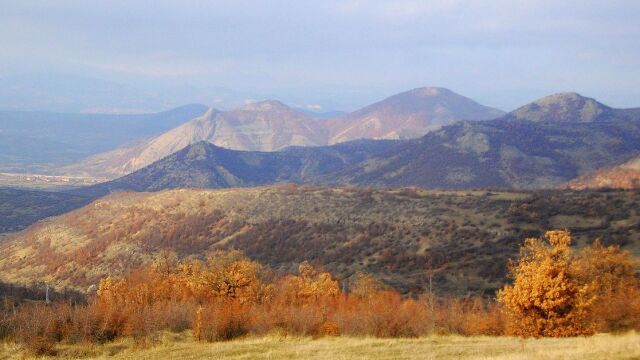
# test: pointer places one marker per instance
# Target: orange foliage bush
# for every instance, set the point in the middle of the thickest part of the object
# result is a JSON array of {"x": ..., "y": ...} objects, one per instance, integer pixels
[
  {"x": 224, "y": 320},
  {"x": 228, "y": 296},
  {"x": 467, "y": 316},
  {"x": 385, "y": 314},
  {"x": 557, "y": 292},
  {"x": 560, "y": 292}
]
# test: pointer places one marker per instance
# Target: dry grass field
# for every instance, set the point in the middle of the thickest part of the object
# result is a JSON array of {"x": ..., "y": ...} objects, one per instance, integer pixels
[{"x": 171, "y": 346}]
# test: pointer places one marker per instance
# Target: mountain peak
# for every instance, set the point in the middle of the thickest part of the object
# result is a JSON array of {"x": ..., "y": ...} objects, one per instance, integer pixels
[
  {"x": 265, "y": 105},
  {"x": 200, "y": 150},
  {"x": 201, "y": 145},
  {"x": 430, "y": 91},
  {"x": 562, "y": 107},
  {"x": 565, "y": 98},
  {"x": 419, "y": 110}
]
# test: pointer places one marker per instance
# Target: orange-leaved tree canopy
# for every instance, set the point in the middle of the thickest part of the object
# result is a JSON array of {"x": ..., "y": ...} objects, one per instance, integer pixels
[{"x": 558, "y": 291}]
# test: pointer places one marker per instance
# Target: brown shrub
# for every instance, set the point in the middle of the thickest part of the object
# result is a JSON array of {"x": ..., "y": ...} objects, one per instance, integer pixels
[
  {"x": 328, "y": 328},
  {"x": 387, "y": 315},
  {"x": 222, "y": 321},
  {"x": 39, "y": 327},
  {"x": 381, "y": 314},
  {"x": 469, "y": 316}
]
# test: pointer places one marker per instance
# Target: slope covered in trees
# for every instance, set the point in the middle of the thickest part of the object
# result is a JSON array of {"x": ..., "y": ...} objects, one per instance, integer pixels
[{"x": 462, "y": 240}]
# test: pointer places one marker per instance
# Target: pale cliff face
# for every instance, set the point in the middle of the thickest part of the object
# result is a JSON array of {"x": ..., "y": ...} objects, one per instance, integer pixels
[
  {"x": 266, "y": 126},
  {"x": 198, "y": 129},
  {"x": 263, "y": 126}
]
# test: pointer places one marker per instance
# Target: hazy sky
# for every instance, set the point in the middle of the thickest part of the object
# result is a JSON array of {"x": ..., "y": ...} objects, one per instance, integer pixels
[{"x": 335, "y": 53}]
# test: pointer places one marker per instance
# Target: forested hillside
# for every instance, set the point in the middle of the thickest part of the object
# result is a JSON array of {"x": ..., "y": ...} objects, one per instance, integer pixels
[{"x": 462, "y": 240}]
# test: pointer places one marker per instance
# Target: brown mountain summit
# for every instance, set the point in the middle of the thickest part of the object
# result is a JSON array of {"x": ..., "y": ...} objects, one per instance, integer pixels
[
  {"x": 410, "y": 114},
  {"x": 563, "y": 107}
]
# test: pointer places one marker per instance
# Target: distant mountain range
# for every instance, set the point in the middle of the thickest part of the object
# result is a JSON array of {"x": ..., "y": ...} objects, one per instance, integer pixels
[
  {"x": 514, "y": 152},
  {"x": 564, "y": 140},
  {"x": 543, "y": 144},
  {"x": 272, "y": 126},
  {"x": 261, "y": 126}
]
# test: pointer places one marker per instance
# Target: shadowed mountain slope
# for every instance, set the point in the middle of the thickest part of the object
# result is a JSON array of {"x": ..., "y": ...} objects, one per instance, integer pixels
[
  {"x": 20, "y": 208},
  {"x": 204, "y": 165}
]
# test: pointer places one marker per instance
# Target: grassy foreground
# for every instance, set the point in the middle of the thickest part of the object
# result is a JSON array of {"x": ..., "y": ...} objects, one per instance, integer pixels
[{"x": 626, "y": 346}]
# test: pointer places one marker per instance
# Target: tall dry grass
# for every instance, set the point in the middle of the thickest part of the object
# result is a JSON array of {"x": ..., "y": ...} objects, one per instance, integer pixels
[{"x": 183, "y": 346}]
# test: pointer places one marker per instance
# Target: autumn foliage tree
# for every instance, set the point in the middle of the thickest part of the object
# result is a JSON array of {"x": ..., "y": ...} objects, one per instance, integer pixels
[{"x": 558, "y": 291}]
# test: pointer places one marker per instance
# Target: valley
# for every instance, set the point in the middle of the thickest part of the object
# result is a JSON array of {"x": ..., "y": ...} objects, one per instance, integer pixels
[
  {"x": 41, "y": 142},
  {"x": 43, "y": 182}
]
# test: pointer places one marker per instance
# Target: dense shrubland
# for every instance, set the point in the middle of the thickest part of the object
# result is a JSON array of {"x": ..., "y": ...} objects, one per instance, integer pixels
[
  {"x": 228, "y": 296},
  {"x": 462, "y": 240},
  {"x": 556, "y": 292}
]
